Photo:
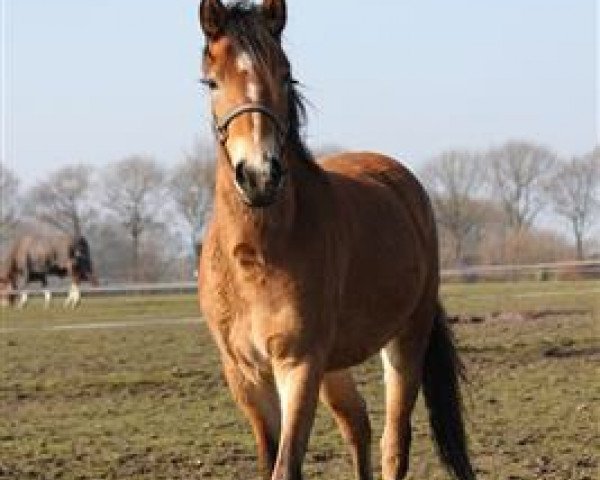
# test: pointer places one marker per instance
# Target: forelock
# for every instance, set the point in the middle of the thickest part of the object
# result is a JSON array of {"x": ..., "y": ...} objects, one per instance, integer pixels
[{"x": 250, "y": 35}]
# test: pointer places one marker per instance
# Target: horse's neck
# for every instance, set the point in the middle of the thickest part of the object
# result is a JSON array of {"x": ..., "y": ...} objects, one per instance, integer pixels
[{"x": 262, "y": 229}]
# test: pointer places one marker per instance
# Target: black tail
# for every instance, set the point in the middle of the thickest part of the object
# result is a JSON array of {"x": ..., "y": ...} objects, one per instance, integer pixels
[{"x": 442, "y": 373}]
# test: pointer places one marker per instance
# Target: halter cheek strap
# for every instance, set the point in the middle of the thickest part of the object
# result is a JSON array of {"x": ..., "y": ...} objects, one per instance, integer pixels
[{"x": 221, "y": 125}]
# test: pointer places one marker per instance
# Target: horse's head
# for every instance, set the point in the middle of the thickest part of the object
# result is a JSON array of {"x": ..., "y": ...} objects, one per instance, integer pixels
[
  {"x": 81, "y": 260},
  {"x": 254, "y": 103}
]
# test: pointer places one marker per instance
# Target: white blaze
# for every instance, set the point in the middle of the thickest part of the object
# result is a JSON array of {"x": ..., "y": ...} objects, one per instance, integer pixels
[
  {"x": 251, "y": 149},
  {"x": 244, "y": 63}
]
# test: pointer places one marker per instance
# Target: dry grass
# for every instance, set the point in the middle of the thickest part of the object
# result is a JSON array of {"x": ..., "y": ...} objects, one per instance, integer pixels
[{"x": 149, "y": 402}]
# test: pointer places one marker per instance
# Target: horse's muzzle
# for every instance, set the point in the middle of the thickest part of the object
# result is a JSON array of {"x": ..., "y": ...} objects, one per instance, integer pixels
[{"x": 259, "y": 186}]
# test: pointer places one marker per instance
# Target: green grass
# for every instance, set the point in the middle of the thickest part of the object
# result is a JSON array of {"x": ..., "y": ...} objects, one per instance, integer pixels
[
  {"x": 482, "y": 298},
  {"x": 103, "y": 309},
  {"x": 149, "y": 402}
]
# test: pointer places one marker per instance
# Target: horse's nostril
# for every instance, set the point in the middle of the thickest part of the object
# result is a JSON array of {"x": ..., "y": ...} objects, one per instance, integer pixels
[
  {"x": 276, "y": 170},
  {"x": 240, "y": 174}
]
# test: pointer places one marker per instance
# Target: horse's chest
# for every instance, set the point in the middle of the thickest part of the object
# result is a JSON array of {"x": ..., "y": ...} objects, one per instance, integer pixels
[
  {"x": 255, "y": 313},
  {"x": 248, "y": 336},
  {"x": 248, "y": 348},
  {"x": 255, "y": 332}
]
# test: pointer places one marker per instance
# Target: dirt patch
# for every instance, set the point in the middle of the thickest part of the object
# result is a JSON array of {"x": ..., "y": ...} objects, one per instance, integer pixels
[
  {"x": 524, "y": 316},
  {"x": 561, "y": 351}
]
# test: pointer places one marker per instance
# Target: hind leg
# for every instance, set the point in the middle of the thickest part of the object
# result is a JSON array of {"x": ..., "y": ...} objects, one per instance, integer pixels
[
  {"x": 339, "y": 393},
  {"x": 47, "y": 293},
  {"x": 23, "y": 298},
  {"x": 47, "y": 299},
  {"x": 402, "y": 364},
  {"x": 260, "y": 404}
]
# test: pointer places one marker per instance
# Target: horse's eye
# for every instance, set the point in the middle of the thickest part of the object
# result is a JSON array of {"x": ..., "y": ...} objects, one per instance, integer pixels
[{"x": 210, "y": 83}]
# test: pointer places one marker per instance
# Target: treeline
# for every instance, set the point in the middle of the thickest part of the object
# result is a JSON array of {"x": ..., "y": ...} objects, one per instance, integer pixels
[
  {"x": 489, "y": 204},
  {"x": 143, "y": 220},
  {"x": 140, "y": 218}
]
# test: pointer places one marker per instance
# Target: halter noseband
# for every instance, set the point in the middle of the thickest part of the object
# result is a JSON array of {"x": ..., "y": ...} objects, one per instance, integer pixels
[{"x": 221, "y": 125}]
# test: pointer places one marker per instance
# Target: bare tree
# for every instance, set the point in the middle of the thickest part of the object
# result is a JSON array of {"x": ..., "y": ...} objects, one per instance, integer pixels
[
  {"x": 518, "y": 173},
  {"x": 9, "y": 201},
  {"x": 453, "y": 179},
  {"x": 575, "y": 194},
  {"x": 133, "y": 193},
  {"x": 64, "y": 199},
  {"x": 159, "y": 255},
  {"x": 191, "y": 185}
]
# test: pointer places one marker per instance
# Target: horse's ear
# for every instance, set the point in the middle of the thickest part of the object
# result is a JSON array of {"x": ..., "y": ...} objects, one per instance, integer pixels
[
  {"x": 275, "y": 12},
  {"x": 213, "y": 16}
]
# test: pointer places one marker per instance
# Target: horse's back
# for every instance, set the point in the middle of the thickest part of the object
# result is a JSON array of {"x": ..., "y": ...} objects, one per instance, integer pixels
[
  {"x": 378, "y": 180},
  {"x": 39, "y": 251}
]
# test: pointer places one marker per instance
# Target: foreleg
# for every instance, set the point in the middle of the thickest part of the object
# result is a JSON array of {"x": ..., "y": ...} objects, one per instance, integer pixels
[
  {"x": 259, "y": 403},
  {"x": 298, "y": 385},
  {"x": 74, "y": 296}
]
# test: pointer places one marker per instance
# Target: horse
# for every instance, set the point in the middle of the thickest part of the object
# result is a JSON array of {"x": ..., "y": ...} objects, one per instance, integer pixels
[
  {"x": 310, "y": 267},
  {"x": 35, "y": 257}
]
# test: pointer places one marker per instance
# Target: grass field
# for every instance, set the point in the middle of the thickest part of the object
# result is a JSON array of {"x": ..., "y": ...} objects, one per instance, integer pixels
[{"x": 147, "y": 401}]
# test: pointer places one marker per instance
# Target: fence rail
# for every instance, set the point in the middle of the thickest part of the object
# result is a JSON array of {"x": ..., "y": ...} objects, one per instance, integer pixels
[
  {"x": 538, "y": 271},
  {"x": 541, "y": 271},
  {"x": 118, "y": 289}
]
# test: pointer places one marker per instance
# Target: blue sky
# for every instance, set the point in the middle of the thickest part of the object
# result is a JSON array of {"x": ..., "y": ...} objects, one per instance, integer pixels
[{"x": 93, "y": 81}]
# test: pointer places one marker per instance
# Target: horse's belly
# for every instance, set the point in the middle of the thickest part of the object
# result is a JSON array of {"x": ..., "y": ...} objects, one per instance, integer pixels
[
  {"x": 372, "y": 312},
  {"x": 359, "y": 338}
]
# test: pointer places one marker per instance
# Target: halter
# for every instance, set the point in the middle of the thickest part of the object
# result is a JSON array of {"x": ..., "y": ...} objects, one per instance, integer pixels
[{"x": 221, "y": 125}]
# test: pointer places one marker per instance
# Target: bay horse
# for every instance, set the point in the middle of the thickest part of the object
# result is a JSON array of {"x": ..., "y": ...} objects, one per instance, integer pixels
[
  {"x": 35, "y": 257},
  {"x": 310, "y": 268}
]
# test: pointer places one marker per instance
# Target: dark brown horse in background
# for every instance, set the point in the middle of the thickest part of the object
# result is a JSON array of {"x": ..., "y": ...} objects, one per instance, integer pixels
[
  {"x": 309, "y": 268},
  {"x": 34, "y": 258}
]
